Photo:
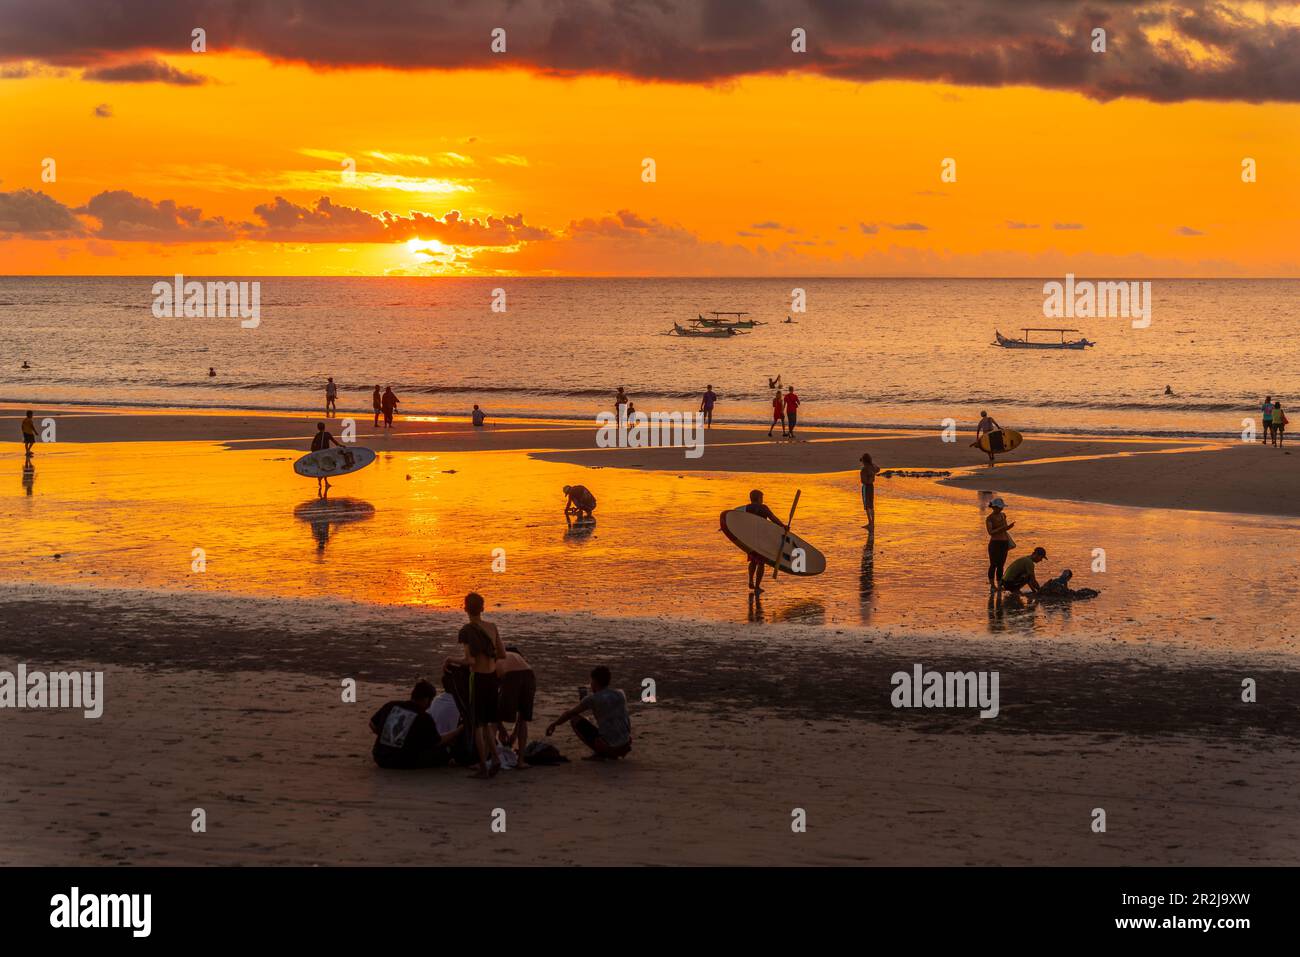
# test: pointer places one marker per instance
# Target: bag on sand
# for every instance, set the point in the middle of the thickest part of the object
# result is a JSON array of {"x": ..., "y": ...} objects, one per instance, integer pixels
[{"x": 543, "y": 752}]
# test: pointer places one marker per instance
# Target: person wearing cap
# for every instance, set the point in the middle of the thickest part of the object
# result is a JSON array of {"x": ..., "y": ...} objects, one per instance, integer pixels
[
  {"x": 999, "y": 541},
  {"x": 579, "y": 501},
  {"x": 1021, "y": 572}
]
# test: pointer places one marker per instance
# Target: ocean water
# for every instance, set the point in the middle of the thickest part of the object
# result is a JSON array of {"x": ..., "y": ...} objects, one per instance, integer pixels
[{"x": 869, "y": 352}]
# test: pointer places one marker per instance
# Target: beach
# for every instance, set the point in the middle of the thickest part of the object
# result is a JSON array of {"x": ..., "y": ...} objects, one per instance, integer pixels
[
  {"x": 1126, "y": 702},
  {"x": 233, "y": 706}
]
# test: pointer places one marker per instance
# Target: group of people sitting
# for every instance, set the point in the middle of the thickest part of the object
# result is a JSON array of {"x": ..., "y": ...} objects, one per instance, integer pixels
[{"x": 489, "y": 686}]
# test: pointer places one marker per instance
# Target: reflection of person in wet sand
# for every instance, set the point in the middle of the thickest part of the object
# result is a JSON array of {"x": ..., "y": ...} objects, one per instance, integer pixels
[
  {"x": 579, "y": 502},
  {"x": 757, "y": 563}
]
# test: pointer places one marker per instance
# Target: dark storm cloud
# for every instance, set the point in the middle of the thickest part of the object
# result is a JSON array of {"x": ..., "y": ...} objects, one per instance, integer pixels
[{"x": 980, "y": 43}]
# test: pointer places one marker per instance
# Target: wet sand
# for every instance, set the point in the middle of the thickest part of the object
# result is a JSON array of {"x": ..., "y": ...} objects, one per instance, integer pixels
[
  {"x": 233, "y": 705},
  {"x": 1099, "y": 469}
]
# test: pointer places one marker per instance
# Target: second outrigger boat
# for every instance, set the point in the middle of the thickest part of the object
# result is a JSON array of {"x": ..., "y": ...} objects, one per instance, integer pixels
[
  {"x": 737, "y": 320},
  {"x": 1024, "y": 343},
  {"x": 723, "y": 332}
]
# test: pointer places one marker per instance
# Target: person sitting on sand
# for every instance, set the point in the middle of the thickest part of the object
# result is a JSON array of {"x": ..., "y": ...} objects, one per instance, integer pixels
[
  {"x": 212, "y": 373},
  {"x": 757, "y": 563},
  {"x": 25, "y": 365},
  {"x": 518, "y": 691},
  {"x": 478, "y": 416},
  {"x": 388, "y": 402},
  {"x": 331, "y": 397},
  {"x": 406, "y": 736},
  {"x": 1021, "y": 572},
  {"x": 990, "y": 425},
  {"x": 579, "y": 501},
  {"x": 867, "y": 476},
  {"x": 378, "y": 402},
  {"x": 29, "y": 434},
  {"x": 999, "y": 541},
  {"x": 483, "y": 648},
  {"x": 1279, "y": 424},
  {"x": 707, "y": 401},
  {"x": 610, "y": 737}
]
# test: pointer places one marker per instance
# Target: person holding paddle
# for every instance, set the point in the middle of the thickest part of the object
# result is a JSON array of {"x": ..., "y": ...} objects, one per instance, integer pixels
[{"x": 757, "y": 562}]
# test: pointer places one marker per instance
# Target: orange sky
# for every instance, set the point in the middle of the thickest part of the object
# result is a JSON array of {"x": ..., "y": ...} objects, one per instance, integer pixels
[{"x": 765, "y": 175}]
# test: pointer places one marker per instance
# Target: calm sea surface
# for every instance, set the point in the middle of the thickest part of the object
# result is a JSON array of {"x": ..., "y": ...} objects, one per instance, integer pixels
[{"x": 867, "y": 352}]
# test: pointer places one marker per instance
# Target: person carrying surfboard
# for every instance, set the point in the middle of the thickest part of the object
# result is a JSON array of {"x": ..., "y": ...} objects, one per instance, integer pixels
[
  {"x": 579, "y": 501},
  {"x": 989, "y": 424},
  {"x": 757, "y": 563},
  {"x": 323, "y": 440}
]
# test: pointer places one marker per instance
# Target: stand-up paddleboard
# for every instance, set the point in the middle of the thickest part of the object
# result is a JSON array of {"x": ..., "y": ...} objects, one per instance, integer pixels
[
  {"x": 1009, "y": 439},
  {"x": 333, "y": 461},
  {"x": 750, "y": 533}
]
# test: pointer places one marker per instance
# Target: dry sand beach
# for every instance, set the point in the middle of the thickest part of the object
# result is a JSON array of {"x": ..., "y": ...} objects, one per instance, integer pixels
[{"x": 230, "y": 699}]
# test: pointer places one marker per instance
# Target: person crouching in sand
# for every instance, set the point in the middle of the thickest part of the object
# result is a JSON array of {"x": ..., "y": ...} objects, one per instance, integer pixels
[
  {"x": 1021, "y": 572},
  {"x": 610, "y": 737},
  {"x": 757, "y": 563},
  {"x": 579, "y": 502}
]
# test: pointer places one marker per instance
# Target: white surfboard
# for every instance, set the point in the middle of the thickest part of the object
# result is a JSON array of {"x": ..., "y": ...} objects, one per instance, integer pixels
[
  {"x": 753, "y": 534},
  {"x": 330, "y": 462}
]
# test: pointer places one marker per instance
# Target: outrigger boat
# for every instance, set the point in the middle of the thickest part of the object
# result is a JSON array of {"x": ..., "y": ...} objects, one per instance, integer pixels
[
  {"x": 707, "y": 333},
  {"x": 1024, "y": 343},
  {"x": 737, "y": 322}
]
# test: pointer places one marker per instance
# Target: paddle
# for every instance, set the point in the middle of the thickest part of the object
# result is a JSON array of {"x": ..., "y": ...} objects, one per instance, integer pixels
[{"x": 776, "y": 566}]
